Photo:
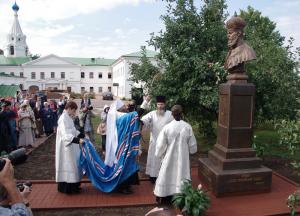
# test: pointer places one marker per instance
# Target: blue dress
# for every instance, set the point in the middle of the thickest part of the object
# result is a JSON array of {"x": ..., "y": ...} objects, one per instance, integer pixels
[{"x": 48, "y": 120}]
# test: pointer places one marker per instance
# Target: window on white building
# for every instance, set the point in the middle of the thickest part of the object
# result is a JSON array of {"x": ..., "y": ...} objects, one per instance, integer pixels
[
  {"x": 82, "y": 89},
  {"x": 11, "y": 50},
  {"x": 32, "y": 75},
  {"x": 91, "y": 75},
  {"x": 109, "y": 89},
  {"x": 21, "y": 74},
  {"x": 62, "y": 75},
  {"x": 42, "y": 75},
  {"x": 52, "y": 75},
  {"x": 100, "y": 89},
  {"x": 109, "y": 76},
  {"x": 100, "y": 75},
  {"x": 12, "y": 73},
  {"x": 91, "y": 89},
  {"x": 82, "y": 75}
]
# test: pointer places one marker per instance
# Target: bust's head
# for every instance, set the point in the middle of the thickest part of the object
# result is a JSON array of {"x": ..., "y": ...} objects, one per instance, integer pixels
[{"x": 235, "y": 31}]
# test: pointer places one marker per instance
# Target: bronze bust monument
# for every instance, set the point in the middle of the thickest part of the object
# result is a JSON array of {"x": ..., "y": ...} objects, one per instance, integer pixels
[{"x": 239, "y": 51}]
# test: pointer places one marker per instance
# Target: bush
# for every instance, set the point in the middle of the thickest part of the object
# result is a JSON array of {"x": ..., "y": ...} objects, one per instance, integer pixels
[
  {"x": 293, "y": 202},
  {"x": 289, "y": 132},
  {"x": 75, "y": 95},
  {"x": 92, "y": 95},
  {"x": 191, "y": 201}
]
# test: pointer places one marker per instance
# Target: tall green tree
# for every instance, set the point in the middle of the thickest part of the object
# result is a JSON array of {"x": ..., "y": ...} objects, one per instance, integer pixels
[
  {"x": 191, "y": 41},
  {"x": 275, "y": 72},
  {"x": 192, "y": 50},
  {"x": 144, "y": 72}
]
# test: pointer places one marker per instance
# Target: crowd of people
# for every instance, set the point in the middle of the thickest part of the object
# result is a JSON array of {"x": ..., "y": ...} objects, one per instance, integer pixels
[
  {"x": 171, "y": 142},
  {"x": 24, "y": 119}
]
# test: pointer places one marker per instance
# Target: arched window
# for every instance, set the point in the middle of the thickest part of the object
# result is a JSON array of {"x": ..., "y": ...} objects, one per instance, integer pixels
[{"x": 12, "y": 50}]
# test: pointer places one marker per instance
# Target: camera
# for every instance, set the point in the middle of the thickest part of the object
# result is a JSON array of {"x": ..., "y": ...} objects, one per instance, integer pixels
[
  {"x": 21, "y": 185},
  {"x": 90, "y": 108},
  {"x": 16, "y": 157}
]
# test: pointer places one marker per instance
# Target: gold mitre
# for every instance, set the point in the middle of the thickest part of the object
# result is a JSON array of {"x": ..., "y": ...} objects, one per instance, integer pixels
[{"x": 236, "y": 23}]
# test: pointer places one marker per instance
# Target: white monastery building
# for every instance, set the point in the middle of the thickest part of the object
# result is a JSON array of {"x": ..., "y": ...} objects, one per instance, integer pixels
[{"x": 64, "y": 73}]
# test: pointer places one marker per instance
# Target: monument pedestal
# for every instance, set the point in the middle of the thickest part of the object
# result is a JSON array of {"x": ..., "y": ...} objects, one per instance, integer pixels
[{"x": 232, "y": 167}]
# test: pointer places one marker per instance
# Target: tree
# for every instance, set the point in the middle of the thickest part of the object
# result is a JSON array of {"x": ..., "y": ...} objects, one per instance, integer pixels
[
  {"x": 275, "y": 72},
  {"x": 144, "y": 72},
  {"x": 192, "y": 39},
  {"x": 192, "y": 50},
  {"x": 35, "y": 56}
]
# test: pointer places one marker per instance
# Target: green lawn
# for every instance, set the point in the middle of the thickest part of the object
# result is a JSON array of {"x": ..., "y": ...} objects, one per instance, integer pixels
[
  {"x": 270, "y": 139},
  {"x": 264, "y": 136},
  {"x": 95, "y": 122}
]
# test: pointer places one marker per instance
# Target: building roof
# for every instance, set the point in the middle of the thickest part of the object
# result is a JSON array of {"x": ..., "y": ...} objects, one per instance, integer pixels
[
  {"x": 13, "y": 60},
  {"x": 90, "y": 61},
  {"x": 3, "y": 74},
  {"x": 149, "y": 54},
  {"x": 9, "y": 90}
]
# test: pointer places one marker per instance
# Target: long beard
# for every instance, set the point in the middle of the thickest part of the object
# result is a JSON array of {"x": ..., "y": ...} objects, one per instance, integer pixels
[{"x": 160, "y": 112}]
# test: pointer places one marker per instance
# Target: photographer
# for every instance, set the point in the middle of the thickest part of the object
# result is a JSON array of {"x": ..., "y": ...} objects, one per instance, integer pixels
[
  {"x": 12, "y": 201},
  {"x": 85, "y": 117}
]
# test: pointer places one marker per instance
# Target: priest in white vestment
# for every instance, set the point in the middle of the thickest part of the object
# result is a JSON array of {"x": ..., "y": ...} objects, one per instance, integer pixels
[
  {"x": 67, "y": 152},
  {"x": 155, "y": 121},
  {"x": 174, "y": 144}
]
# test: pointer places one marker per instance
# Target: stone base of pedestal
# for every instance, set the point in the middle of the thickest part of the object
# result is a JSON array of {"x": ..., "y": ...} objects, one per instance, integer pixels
[{"x": 238, "y": 181}]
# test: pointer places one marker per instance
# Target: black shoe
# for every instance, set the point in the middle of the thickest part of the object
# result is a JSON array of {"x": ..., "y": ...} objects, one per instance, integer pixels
[{"x": 126, "y": 191}]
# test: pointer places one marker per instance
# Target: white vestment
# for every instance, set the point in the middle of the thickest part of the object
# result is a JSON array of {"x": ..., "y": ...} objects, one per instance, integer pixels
[
  {"x": 112, "y": 133},
  {"x": 174, "y": 144},
  {"x": 155, "y": 123},
  {"x": 67, "y": 154}
]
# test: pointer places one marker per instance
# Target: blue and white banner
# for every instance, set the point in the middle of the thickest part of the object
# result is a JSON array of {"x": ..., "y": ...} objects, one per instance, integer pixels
[{"x": 106, "y": 178}]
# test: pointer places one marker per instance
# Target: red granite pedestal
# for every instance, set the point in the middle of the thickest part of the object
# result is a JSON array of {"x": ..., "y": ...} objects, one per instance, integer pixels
[{"x": 232, "y": 167}]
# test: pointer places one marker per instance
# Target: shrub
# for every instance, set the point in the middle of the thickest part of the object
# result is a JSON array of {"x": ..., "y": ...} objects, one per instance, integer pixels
[
  {"x": 191, "y": 201},
  {"x": 293, "y": 202}
]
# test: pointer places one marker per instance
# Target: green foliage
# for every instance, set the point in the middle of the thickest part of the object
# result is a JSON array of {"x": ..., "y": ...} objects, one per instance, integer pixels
[
  {"x": 265, "y": 142},
  {"x": 259, "y": 148},
  {"x": 35, "y": 56},
  {"x": 191, "y": 201},
  {"x": 289, "y": 132},
  {"x": 75, "y": 95},
  {"x": 293, "y": 202},
  {"x": 144, "y": 72},
  {"x": 190, "y": 49},
  {"x": 275, "y": 72}
]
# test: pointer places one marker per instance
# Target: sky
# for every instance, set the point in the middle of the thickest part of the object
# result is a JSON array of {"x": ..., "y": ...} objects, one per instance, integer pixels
[{"x": 111, "y": 28}]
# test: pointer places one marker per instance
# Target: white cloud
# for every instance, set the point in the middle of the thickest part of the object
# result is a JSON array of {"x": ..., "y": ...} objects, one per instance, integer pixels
[
  {"x": 41, "y": 21},
  {"x": 49, "y": 31},
  {"x": 289, "y": 27},
  {"x": 30, "y": 10},
  {"x": 286, "y": 16}
]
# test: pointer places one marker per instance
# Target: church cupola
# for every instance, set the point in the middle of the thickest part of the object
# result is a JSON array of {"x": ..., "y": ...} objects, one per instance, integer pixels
[
  {"x": 15, "y": 7},
  {"x": 16, "y": 45}
]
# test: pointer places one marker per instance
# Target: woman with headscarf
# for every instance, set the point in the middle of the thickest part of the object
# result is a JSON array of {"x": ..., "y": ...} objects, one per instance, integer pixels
[
  {"x": 47, "y": 118},
  {"x": 25, "y": 127}
]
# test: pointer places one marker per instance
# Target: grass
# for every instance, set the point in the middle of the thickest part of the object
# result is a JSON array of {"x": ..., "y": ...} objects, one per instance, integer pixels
[
  {"x": 269, "y": 138},
  {"x": 96, "y": 122},
  {"x": 264, "y": 136}
]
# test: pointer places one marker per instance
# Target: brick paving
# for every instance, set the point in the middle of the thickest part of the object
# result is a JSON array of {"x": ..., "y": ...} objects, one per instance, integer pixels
[{"x": 45, "y": 196}]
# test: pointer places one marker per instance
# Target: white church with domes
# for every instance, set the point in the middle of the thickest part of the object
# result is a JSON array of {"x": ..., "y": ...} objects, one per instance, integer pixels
[{"x": 64, "y": 73}]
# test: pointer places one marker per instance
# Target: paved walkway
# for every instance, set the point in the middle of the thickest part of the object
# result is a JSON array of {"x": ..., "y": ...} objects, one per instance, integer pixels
[{"x": 45, "y": 196}]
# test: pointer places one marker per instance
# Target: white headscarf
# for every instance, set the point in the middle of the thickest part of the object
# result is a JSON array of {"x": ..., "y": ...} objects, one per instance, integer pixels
[{"x": 111, "y": 132}]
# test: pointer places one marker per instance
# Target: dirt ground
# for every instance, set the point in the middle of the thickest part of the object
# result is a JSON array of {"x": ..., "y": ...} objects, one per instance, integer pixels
[{"x": 41, "y": 166}]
